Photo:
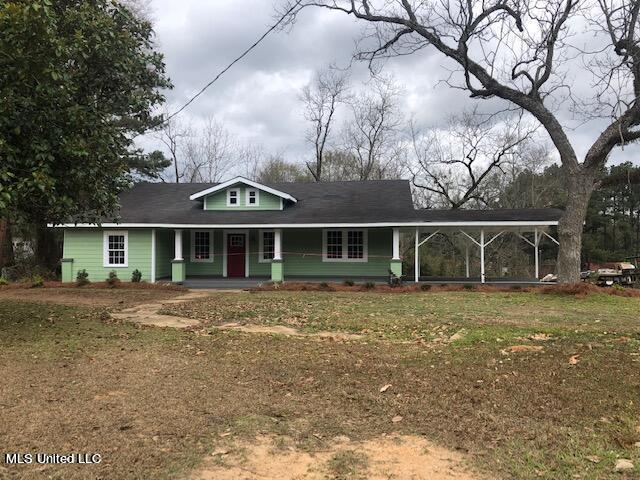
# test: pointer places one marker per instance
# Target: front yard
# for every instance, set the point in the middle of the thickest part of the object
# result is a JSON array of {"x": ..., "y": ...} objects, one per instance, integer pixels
[{"x": 156, "y": 402}]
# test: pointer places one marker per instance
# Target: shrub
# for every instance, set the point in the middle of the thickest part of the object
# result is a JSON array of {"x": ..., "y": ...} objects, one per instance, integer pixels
[
  {"x": 4, "y": 281},
  {"x": 136, "y": 276},
  {"x": 349, "y": 283},
  {"x": 37, "y": 281},
  {"x": 425, "y": 287},
  {"x": 324, "y": 285},
  {"x": 82, "y": 278},
  {"x": 468, "y": 286},
  {"x": 370, "y": 285},
  {"x": 112, "y": 280}
]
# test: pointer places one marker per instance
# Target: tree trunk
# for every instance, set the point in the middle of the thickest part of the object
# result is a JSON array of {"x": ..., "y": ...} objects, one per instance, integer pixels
[
  {"x": 580, "y": 185},
  {"x": 6, "y": 243},
  {"x": 46, "y": 250}
]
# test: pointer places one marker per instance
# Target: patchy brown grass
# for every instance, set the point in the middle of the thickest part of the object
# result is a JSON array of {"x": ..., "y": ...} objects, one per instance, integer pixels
[
  {"x": 428, "y": 317},
  {"x": 90, "y": 297},
  {"x": 95, "y": 285},
  {"x": 581, "y": 289},
  {"x": 155, "y": 402}
]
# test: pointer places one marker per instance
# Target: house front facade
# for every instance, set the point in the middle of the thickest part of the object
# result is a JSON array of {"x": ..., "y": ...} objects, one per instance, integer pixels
[{"x": 245, "y": 229}]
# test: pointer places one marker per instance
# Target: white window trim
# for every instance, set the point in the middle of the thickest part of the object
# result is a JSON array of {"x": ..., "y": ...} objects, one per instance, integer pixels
[
  {"x": 246, "y": 200},
  {"x": 229, "y": 204},
  {"x": 193, "y": 247},
  {"x": 261, "y": 258},
  {"x": 345, "y": 246},
  {"x": 105, "y": 248}
]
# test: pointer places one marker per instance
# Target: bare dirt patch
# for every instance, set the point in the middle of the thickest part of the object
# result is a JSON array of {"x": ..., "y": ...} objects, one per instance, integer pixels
[
  {"x": 147, "y": 313},
  {"x": 397, "y": 456}
]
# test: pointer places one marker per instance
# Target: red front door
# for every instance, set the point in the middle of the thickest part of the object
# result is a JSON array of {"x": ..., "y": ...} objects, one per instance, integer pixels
[{"x": 236, "y": 254}]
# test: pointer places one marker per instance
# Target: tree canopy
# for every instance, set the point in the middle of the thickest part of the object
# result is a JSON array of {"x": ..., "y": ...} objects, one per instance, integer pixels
[{"x": 78, "y": 81}]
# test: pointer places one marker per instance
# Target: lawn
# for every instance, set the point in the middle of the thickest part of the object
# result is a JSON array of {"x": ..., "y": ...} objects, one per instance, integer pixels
[{"x": 155, "y": 402}]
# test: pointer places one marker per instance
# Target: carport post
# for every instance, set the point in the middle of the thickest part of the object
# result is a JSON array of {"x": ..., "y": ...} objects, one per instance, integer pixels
[
  {"x": 482, "y": 256},
  {"x": 416, "y": 260},
  {"x": 536, "y": 241},
  {"x": 466, "y": 258}
]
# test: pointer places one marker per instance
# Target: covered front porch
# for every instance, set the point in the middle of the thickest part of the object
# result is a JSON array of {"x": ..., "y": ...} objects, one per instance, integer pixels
[{"x": 242, "y": 257}]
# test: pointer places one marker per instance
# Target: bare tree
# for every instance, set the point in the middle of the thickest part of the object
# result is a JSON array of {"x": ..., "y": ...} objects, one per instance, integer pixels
[
  {"x": 372, "y": 136},
  {"x": 321, "y": 98},
  {"x": 455, "y": 165},
  {"x": 278, "y": 170},
  {"x": 517, "y": 50},
  {"x": 173, "y": 135},
  {"x": 250, "y": 157},
  {"x": 208, "y": 154}
]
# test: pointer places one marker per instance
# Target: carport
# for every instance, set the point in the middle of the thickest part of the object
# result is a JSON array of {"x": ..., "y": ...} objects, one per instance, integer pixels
[{"x": 480, "y": 228}]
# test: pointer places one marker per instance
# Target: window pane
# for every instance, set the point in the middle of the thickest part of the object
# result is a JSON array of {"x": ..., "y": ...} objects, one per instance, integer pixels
[
  {"x": 201, "y": 245},
  {"x": 355, "y": 244},
  {"x": 115, "y": 249},
  {"x": 252, "y": 197},
  {"x": 334, "y": 244},
  {"x": 233, "y": 197},
  {"x": 268, "y": 245}
]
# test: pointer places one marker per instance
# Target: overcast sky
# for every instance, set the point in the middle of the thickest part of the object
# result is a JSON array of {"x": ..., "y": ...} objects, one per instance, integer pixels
[{"x": 258, "y": 99}]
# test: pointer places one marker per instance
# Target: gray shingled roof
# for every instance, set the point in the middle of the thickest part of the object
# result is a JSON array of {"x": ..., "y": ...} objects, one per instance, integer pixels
[
  {"x": 377, "y": 201},
  {"x": 500, "y": 215},
  {"x": 326, "y": 202}
]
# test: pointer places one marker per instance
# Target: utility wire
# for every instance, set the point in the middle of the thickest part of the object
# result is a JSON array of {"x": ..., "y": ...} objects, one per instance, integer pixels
[{"x": 236, "y": 60}]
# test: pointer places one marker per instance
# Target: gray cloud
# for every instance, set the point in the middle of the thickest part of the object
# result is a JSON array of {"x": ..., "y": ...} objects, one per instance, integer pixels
[{"x": 258, "y": 98}]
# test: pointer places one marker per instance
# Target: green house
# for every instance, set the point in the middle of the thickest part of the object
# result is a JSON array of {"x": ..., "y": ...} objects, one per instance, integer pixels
[{"x": 244, "y": 229}]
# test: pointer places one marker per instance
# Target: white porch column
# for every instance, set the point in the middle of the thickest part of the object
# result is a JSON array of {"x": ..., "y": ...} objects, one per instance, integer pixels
[
  {"x": 277, "y": 244},
  {"x": 396, "y": 244},
  {"x": 153, "y": 255},
  {"x": 536, "y": 241},
  {"x": 466, "y": 258},
  {"x": 482, "y": 256},
  {"x": 178, "y": 245},
  {"x": 417, "y": 255}
]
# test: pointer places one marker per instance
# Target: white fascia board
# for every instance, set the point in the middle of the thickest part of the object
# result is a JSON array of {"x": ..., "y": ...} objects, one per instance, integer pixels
[
  {"x": 246, "y": 181},
  {"x": 546, "y": 223}
]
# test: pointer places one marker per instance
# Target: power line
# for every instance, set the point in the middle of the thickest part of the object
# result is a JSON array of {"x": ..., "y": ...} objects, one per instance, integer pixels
[{"x": 236, "y": 60}]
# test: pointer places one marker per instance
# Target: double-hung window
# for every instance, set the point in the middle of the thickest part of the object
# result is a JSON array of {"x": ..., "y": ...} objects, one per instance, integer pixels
[
  {"x": 253, "y": 197},
  {"x": 344, "y": 245},
  {"x": 267, "y": 245},
  {"x": 233, "y": 197},
  {"x": 201, "y": 246},
  {"x": 116, "y": 248}
]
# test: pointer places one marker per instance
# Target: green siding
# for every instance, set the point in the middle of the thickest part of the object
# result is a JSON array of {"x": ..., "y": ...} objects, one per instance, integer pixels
[
  {"x": 257, "y": 268},
  {"x": 164, "y": 253},
  {"x": 218, "y": 201},
  {"x": 298, "y": 242},
  {"x": 85, "y": 247},
  {"x": 203, "y": 268},
  {"x": 302, "y": 255}
]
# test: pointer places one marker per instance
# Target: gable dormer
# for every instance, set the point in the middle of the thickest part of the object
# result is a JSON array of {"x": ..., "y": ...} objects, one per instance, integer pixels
[{"x": 242, "y": 194}]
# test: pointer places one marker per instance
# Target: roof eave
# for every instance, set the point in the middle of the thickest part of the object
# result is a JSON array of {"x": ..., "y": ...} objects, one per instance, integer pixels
[{"x": 246, "y": 181}]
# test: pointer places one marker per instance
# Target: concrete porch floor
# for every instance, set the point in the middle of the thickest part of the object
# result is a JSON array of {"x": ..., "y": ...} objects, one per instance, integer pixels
[{"x": 245, "y": 283}]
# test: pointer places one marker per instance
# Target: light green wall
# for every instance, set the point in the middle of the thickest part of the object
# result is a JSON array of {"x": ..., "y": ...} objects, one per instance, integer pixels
[
  {"x": 203, "y": 268},
  {"x": 85, "y": 247},
  {"x": 298, "y": 242},
  {"x": 302, "y": 255},
  {"x": 218, "y": 201}
]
